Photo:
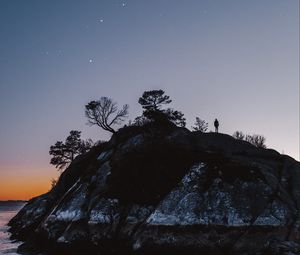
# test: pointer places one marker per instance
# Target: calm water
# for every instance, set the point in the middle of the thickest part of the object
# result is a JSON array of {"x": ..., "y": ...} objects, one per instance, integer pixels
[{"x": 7, "y": 211}]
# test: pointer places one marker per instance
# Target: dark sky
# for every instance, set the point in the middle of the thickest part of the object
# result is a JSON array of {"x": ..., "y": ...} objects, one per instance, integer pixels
[{"x": 235, "y": 60}]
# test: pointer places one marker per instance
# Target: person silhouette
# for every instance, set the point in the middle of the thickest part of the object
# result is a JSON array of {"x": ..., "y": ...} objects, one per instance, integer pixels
[{"x": 216, "y": 124}]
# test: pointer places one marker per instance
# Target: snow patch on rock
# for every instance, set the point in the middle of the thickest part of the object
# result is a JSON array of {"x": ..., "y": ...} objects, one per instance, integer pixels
[
  {"x": 68, "y": 215},
  {"x": 180, "y": 205},
  {"x": 105, "y": 211},
  {"x": 71, "y": 209}
]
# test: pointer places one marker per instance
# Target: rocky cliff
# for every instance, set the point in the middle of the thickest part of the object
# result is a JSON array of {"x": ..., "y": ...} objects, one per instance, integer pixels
[{"x": 153, "y": 190}]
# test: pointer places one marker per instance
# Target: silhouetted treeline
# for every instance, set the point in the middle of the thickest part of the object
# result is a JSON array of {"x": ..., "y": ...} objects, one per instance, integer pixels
[{"x": 106, "y": 114}]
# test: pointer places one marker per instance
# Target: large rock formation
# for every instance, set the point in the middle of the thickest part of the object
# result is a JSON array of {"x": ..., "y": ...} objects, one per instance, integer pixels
[{"x": 152, "y": 190}]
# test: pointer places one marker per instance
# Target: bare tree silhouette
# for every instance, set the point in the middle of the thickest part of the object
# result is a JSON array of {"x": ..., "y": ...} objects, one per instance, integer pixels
[{"x": 105, "y": 114}]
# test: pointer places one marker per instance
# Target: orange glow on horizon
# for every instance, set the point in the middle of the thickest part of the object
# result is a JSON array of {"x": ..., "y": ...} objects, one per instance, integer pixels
[
  {"x": 24, "y": 183},
  {"x": 12, "y": 190}
]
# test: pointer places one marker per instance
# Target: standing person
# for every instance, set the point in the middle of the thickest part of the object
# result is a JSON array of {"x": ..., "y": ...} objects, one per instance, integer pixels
[{"x": 216, "y": 124}]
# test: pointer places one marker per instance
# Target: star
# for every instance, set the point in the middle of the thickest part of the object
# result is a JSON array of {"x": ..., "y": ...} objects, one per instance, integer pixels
[
  {"x": 91, "y": 60},
  {"x": 123, "y": 4},
  {"x": 101, "y": 20}
]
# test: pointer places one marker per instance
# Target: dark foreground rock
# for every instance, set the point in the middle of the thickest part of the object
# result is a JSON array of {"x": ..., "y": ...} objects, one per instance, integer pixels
[{"x": 168, "y": 191}]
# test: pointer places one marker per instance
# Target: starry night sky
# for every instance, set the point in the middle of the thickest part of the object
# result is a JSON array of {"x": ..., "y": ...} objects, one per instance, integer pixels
[{"x": 234, "y": 60}]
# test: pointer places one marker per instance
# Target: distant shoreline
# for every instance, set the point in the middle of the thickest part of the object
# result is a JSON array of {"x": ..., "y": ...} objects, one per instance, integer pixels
[{"x": 13, "y": 201}]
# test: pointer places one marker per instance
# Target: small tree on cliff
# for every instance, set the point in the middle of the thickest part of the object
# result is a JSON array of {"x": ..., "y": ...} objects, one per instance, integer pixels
[
  {"x": 105, "y": 114},
  {"x": 200, "y": 125},
  {"x": 256, "y": 140},
  {"x": 239, "y": 135},
  {"x": 63, "y": 153},
  {"x": 53, "y": 183},
  {"x": 152, "y": 102}
]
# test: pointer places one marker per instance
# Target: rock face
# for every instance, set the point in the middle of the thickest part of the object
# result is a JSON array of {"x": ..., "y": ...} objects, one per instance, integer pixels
[{"x": 154, "y": 190}]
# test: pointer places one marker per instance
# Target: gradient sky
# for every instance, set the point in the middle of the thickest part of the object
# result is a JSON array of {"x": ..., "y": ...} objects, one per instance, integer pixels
[{"x": 235, "y": 60}]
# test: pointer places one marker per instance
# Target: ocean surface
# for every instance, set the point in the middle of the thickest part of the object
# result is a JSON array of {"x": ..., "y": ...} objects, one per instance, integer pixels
[{"x": 8, "y": 209}]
